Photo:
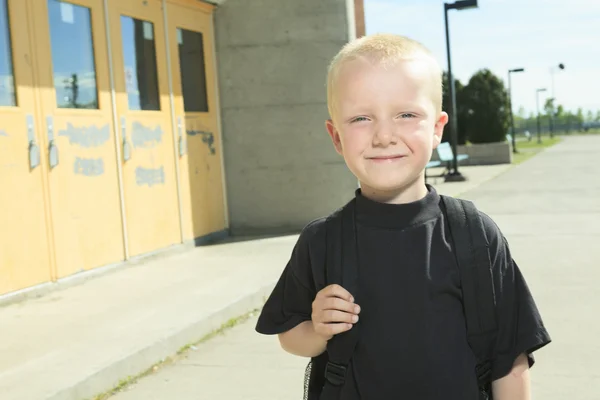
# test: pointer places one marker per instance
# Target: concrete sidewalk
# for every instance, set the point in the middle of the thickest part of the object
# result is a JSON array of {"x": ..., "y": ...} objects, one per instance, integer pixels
[
  {"x": 540, "y": 206},
  {"x": 549, "y": 209},
  {"x": 75, "y": 343}
]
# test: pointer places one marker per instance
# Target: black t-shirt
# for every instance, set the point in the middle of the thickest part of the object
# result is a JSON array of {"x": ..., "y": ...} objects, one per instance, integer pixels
[{"x": 413, "y": 341}]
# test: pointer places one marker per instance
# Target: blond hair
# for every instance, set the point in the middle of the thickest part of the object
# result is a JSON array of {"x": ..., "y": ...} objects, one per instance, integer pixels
[{"x": 385, "y": 50}]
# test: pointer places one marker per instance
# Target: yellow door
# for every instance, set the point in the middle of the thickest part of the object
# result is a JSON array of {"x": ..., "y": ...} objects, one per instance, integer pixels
[
  {"x": 144, "y": 117},
  {"x": 190, "y": 33},
  {"x": 24, "y": 257},
  {"x": 77, "y": 126}
]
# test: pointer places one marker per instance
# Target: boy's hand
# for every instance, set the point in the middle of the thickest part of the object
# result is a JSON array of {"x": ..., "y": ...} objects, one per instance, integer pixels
[{"x": 334, "y": 311}]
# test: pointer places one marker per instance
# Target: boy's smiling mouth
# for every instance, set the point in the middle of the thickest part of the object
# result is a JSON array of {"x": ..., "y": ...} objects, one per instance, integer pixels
[{"x": 386, "y": 158}]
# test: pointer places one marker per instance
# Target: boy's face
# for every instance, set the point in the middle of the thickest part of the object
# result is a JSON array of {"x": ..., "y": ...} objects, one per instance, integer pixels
[{"x": 386, "y": 124}]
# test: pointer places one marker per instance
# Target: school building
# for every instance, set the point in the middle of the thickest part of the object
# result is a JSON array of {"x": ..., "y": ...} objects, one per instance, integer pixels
[{"x": 131, "y": 126}]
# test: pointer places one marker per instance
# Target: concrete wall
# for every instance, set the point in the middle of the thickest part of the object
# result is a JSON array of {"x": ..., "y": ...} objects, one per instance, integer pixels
[{"x": 280, "y": 166}]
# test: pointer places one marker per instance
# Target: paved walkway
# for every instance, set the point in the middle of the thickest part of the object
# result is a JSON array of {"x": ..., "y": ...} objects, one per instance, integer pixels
[
  {"x": 548, "y": 207},
  {"x": 81, "y": 341}
]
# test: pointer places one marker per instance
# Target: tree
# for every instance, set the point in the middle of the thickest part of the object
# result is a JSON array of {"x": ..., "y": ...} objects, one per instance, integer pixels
[
  {"x": 580, "y": 118},
  {"x": 590, "y": 116},
  {"x": 550, "y": 110},
  {"x": 520, "y": 119},
  {"x": 461, "y": 110},
  {"x": 549, "y": 107},
  {"x": 598, "y": 116},
  {"x": 486, "y": 100},
  {"x": 560, "y": 112}
]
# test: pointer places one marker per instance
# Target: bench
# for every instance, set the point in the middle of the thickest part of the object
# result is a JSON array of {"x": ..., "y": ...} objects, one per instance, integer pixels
[
  {"x": 445, "y": 155},
  {"x": 431, "y": 164}
]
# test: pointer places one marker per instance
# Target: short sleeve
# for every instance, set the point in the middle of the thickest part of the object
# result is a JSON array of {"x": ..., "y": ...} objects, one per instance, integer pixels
[
  {"x": 520, "y": 326},
  {"x": 290, "y": 302}
]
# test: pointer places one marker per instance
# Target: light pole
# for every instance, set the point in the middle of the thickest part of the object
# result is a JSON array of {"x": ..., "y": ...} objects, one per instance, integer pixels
[
  {"x": 560, "y": 66},
  {"x": 454, "y": 175},
  {"x": 512, "y": 121},
  {"x": 537, "y": 103}
]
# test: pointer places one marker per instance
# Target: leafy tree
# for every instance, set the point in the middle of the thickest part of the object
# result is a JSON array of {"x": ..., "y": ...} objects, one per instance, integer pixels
[
  {"x": 590, "y": 116},
  {"x": 560, "y": 112},
  {"x": 549, "y": 107},
  {"x": 486, "y": 99},
  {"x": 461, "y": 109},
  {"x": 580, "y": 118}
]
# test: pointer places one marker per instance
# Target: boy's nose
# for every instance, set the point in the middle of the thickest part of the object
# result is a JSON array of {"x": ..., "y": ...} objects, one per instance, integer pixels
[{"x": 384, "y": 136}]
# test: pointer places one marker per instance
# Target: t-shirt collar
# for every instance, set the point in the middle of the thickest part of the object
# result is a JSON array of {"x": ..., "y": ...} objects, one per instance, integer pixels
[{"x": 397, "y": 216}]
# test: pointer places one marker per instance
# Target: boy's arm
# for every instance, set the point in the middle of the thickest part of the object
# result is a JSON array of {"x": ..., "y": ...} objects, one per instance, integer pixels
[
  {"x": 303, "y": 341},
  {"x": 303, "y": 318},
  {"x": 515, "y": 385},
  {"x": 521, "y": 330},
  {"x": 333, "y": 312}
]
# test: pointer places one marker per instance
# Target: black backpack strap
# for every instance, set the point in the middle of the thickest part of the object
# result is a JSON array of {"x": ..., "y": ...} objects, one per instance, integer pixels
[
  {"x": 342, "y": 268},
  {"x": 320, "y": 370},
  {"x": 475, "y": 269}
]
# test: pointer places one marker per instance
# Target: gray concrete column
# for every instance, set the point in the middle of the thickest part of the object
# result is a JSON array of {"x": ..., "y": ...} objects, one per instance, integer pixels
[{"x": 281, "y": 168}]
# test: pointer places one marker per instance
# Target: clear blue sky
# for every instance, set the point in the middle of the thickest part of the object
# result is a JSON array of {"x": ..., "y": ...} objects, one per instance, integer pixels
[{"x": 503, "y": 34}]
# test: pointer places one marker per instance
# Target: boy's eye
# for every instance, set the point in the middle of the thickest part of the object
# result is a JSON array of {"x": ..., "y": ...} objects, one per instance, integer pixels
[
  {"x": 359, "y": 119},
  {"x": 407, "y": 115}
]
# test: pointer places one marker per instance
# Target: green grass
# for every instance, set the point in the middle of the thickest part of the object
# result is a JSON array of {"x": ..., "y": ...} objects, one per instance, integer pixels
[
  {"x": 526, "y": 149},
  {"x": 130, "y": 380}
]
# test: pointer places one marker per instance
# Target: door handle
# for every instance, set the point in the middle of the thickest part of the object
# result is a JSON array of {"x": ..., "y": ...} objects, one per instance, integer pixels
[
  {"x": 52, "y": 148},
  {"x": 126, "y": 145},
  {"x": 181, "y": 140},
  {"x": 34, "y": 150}
]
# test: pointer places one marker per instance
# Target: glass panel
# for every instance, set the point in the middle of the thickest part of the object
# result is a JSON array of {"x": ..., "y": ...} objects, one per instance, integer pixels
[
  {"x": 7, "y": 84},
  {"x": 193, "y": 73},
  {"x": 72, "y": 55},
  {"x": 139, "y": 55}
]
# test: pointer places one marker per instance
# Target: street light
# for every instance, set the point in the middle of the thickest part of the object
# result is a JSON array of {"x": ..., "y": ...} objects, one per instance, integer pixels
[
  {"x": 512, "y": 121},
  {"x": 454, "y": 175},
  {"x": 560, "y": 66},
  {"x": 537, "y": 97}
]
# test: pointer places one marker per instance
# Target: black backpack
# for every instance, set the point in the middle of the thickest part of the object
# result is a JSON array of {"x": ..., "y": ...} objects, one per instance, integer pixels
[{"x": 325, "y": 374}]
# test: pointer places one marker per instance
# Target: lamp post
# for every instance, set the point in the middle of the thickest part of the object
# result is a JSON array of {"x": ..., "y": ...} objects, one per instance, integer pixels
[
  {"x": 512, "y": 121},
  {"x": 560, "y": 66},
  {"x": 454, "y": 175},
  {"x": 537, "y": 103}
]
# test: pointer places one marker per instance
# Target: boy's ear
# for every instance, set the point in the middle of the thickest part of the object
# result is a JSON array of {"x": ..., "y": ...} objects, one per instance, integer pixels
[
  {"x": 438, "y": 129},
  {"x": 335, "y": 135}
]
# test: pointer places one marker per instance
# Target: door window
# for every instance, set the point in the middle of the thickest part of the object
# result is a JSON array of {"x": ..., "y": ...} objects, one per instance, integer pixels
[
  {"x": 139, "y": 54},
  {"x": 8, "y": 97},
  {"x": 72, "y": 55},
  {"x": 193, "y": 72}
]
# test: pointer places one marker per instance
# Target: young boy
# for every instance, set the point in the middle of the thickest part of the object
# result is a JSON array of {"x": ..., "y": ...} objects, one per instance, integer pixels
[{"x": 385, "y": 99}]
